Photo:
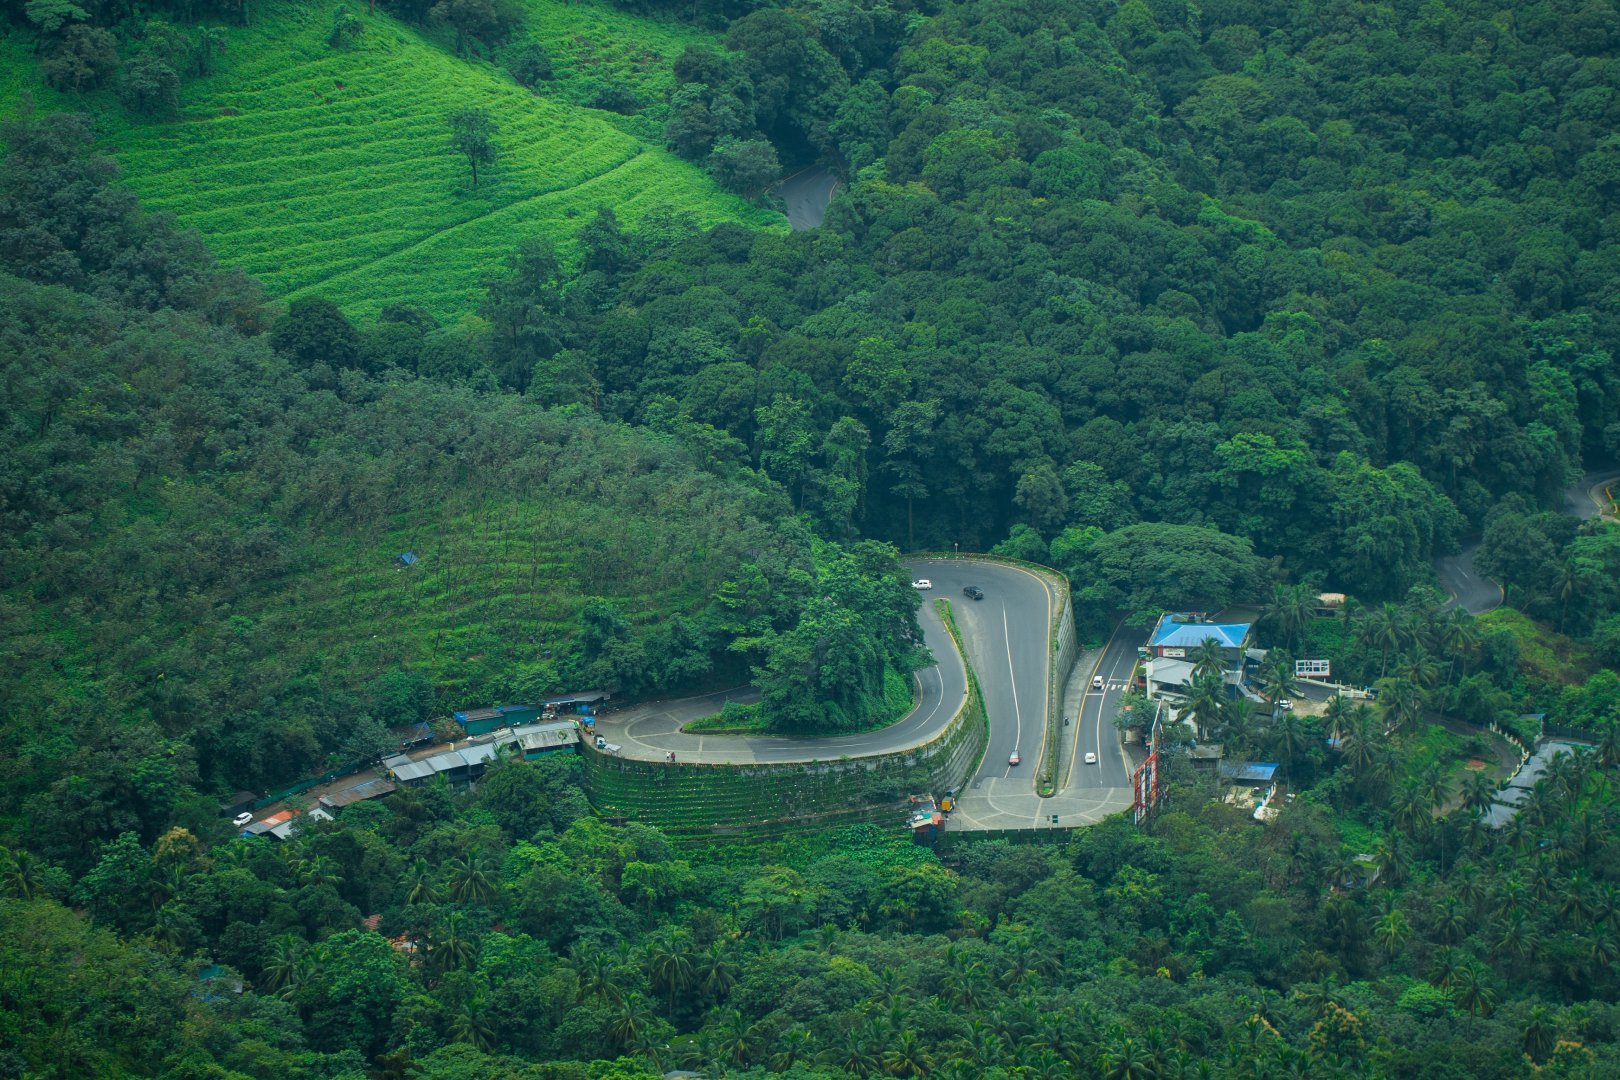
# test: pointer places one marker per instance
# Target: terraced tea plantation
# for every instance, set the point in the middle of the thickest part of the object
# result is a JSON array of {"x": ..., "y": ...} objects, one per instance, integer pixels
[{"x": 329, "y": 171}]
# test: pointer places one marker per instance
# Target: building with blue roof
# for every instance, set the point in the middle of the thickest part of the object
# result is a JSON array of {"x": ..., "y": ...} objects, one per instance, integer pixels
[{"x": 1174, "y": 643}]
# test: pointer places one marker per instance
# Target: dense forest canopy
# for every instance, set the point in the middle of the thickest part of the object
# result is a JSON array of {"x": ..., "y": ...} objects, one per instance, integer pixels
[{"x": 1202, "y": 304}]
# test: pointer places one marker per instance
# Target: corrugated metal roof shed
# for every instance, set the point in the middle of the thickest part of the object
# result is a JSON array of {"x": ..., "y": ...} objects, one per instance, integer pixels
[
  {"x": 1248, "y": 772},
  {"x": 371, "y": 789},
  {"x": 545, "y": 736},
  {"x": 409, "y": 771}
]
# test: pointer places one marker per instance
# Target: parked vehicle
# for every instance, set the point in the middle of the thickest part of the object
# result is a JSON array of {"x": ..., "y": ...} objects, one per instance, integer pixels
[{"x": 242, "y": 819}]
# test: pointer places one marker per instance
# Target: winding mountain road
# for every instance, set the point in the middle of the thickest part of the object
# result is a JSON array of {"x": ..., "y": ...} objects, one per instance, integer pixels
[
  {"x": 1474, "y": 592},
  {"x": 1007, "y": 638}
]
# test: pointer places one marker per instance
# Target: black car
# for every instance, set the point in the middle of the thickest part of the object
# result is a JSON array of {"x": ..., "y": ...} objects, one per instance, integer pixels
[{"x": 973, "y": 592}]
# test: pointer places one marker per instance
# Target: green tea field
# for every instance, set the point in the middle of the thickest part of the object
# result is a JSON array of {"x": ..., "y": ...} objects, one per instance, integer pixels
[{"x": 329, "y": 171}]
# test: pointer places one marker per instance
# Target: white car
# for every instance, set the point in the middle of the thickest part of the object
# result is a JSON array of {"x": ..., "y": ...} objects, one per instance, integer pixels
[
  {"x": 1091, "y": 759},
  {"x": 241, "y": 819},
  {"x": 1284, "y": 704},
  {"x": 922, "y": 583},
  {"x": 1013, "y": 758},
  {"x": 1096, "y": 682}
]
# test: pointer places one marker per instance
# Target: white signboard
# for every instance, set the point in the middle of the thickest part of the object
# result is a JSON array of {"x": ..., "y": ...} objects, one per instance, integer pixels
[
  {"x": 1176, "y": 653},
  {"x": 1312, "y": 669}
]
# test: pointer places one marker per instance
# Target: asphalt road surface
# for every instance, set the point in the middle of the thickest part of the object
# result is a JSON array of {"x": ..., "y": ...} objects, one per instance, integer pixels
[
  {"x": 652, "y": 731},
  {"x": 1585, "y": 499},
  {"x": 807, "y": 194},
  {"x": 1469, "y": 589},
  {"x": 1006, "y": 636},
  {"x": 1474, "y": 592},
  {"x": 1093, "y": 731}
]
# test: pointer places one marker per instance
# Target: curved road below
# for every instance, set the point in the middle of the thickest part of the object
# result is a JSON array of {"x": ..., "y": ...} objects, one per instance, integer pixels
[
  {"x": 1005, "y": 634},
  {"x": 1474, "y": 592},
  {"x": 807, "y": 194}
]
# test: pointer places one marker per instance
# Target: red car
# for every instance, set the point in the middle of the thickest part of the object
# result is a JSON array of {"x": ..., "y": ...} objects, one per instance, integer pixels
[{"x": 1013, "y": 759}]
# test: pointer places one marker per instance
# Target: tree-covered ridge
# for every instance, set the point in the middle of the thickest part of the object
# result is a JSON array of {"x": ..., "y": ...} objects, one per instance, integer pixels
[
  {"x": 517, "y": 936},
  {"x": 200, "y": 530},
  {"x": 1208, "y": 260}
]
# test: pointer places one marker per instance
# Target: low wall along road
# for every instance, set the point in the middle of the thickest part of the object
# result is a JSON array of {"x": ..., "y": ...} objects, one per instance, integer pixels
[
  {"x": 999, "y": 688},
  {"x": 729, "y": 786}
]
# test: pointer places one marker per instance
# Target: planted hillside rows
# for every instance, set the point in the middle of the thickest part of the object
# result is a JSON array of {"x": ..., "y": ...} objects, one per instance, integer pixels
[{"x": 330, "y": 172}]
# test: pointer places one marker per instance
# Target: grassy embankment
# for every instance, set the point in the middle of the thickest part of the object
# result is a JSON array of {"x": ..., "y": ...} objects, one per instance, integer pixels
[{"x": 328, "y": 171}]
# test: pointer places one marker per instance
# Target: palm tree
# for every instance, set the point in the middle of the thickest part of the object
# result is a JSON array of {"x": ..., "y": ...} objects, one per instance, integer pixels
[
  {"x": 1515, "y": 935},
  {"x": 320, "y": 870},
  {"x": 964, "y": 988},
  {"x": 1421, "y": 669},
  {"x": 1410, "y": 808},
  {"x": 1446, "y": 966},
  {"x": 632, "y": 1016},
  {"x": 1375, "y": 631},
  {"x": 853, "y": 1054},
  {"x": 1451, "y": 921},
  {"x": 1392, "y": 859},
  {"x": 1460, "y": 638},
  {"x": 1472, "y": 990},
  {"x": 470, "y": 1026},
  {"x": 306, "y": 972},
  {"x": 1576, "y": 906},
  {"x": 1361, "y": 745},
  {"x": 1126, "y": 1059},
  {"x": 451, "y": 948},
  {"x": 1566, "y": 584},
  {"x": 1608, "y": 747},
  {"x": 598, "y": 977},
  {"x": 670, "y": 967},
  {"x": 1291, "y": 610},
  {"x": 1403, "y": 704},
  {"x": 1209, "y": 659},
  {"x": 21, "y": 874},
  {"x": 715, "y": 972},
  {"x": 1204, "y": 699},
  {"x": 796, "y": 1044},
  {"x": 473, "y": 879},
  {"x": 278, "y": 968},
  {"x": 1391, "y": 932},
  {"x": 420, "y": 884},
  {"x": 1277, "y": 675},
  {"x": 1479, "y": 793},
  {"x": 1540, "y": 1036},
  {"x": 1337, "y": 715},
  {"x": 907, "y": 1056},
  {"x": 735, "y": 1038},
  {"x": 1290, "y": 731}
]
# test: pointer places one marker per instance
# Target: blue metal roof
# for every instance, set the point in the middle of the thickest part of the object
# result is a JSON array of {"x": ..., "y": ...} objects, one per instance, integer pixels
[{"x": 1192, "y": 635}]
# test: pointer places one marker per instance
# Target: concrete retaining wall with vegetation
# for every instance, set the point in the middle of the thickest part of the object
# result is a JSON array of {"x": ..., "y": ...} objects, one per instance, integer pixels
[{"x": 696, "y": 801}]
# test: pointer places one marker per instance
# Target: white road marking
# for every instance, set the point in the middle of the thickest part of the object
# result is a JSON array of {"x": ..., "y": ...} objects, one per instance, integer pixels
[{"x": 1018, "y": 717}]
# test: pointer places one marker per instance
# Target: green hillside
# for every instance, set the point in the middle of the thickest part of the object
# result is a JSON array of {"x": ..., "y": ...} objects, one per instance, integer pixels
[{"x": 322, "y": 170}]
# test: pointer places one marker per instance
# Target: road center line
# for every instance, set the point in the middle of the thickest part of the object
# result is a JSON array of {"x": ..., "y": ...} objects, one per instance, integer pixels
[{"x": 1012, "y": 676}]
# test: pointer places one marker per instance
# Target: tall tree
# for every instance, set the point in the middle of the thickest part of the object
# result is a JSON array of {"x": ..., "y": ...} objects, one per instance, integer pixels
[{"x": 472, "y": 133}]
